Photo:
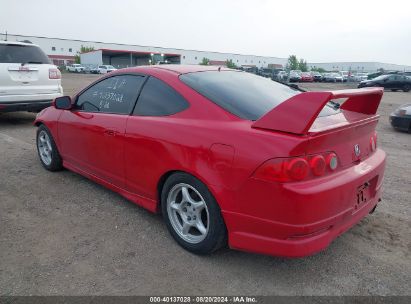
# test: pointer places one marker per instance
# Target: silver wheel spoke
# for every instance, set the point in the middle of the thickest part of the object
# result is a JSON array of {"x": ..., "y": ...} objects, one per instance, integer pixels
[
  {"x": 198, "y": 205},
  {"x": 186, "y": 196},
  {"x": 200, "y": 227},
  {"x": 186, "y": 228},
  {"x": 175, "y": 206}
]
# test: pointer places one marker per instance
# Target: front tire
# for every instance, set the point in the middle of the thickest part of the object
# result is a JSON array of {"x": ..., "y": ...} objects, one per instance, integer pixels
[
  {"x": 407, "y": 88},
  {"x": 49, "y": 155},
  {"x": 192, "y": 214}
]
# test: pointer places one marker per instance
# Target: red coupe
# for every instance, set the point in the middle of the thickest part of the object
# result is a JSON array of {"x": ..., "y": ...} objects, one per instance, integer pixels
[
  {"x": 307, "y": 77},
  {"x": 226, "y": 156}
]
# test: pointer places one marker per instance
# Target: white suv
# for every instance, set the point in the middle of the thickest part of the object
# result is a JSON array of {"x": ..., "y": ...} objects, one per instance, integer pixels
[
  {"x": 28, "y": 80},
  {"x": 104, "y": 69},
  {"x": 75, "y": 67}
]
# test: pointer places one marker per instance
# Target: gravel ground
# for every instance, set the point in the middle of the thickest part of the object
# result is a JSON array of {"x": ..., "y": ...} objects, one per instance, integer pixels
[{"x": 61, "y": 234}]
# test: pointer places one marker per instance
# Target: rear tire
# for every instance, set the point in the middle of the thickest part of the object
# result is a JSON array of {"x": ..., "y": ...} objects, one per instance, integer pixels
[
  {"x": 407, "y": 88},
  {"x": 46, "y": 147},
  {"x": 192, "y": 214}
]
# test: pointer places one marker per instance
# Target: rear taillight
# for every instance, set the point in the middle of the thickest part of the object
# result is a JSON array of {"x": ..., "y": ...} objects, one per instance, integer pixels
[
  {"x": 373, "y": 142},
  {"x": 54, "y": 74},
  {"x": 297, "y": 168},
  {"x": 317, "y": 164}
]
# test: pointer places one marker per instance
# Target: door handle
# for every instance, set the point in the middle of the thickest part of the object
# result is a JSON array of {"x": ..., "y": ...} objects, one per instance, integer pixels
[{"x": 110, "y": 132}]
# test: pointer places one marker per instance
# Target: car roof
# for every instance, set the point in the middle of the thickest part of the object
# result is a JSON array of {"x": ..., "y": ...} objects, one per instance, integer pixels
[
  {"x": 17, "y": 43},
  {"x": 180, "y": 68}
]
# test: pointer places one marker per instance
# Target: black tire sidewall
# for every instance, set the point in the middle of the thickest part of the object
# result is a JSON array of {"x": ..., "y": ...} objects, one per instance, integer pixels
[
  {"x": 217, "y": 232},
  {"x": 56, "y": 161}
]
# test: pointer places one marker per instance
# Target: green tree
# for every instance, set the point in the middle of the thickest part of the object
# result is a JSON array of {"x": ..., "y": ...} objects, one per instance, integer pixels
[
  {"x": 302, "y": 65},
  {"x": 83, "y": 49},
  {"x": 205, "y": 61},
  {"x": 292, "y": 63},
  {"x": 230, "y": 64}
]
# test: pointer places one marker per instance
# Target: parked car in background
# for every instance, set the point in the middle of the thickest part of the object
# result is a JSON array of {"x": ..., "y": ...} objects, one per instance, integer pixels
[
  {"x": 400, "y": 119},
  {"x": 188, "y": 142},
  {"x": 306, "y": 77},
  {"x": 104, "y": 69},
  {"x": 393, "y": 82},
  {"x": 345, "y": 75},
  {"x": 360, "y": 76},
  {"x": 317, "y": 76},
  {"x": 294, "y": 76},
  {"x": 282, "y": 76},
  {"x": 93, "y": 69},
  {"x": 28, "y": 80},
  {"x": 266, "y": 72},
  {"x": 75, "y": 67},
  {"x": 333, "y": 77}
]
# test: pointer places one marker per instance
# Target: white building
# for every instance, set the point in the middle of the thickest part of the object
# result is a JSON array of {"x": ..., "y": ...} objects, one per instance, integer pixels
[
  {"x": 62, "y": 52},
  {"x": 359, "y": 66}
]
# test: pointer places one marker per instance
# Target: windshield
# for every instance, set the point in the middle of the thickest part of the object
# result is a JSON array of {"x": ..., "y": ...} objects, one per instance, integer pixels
[
  {"x": 16, "y": 53},
  {"x": 381, "y": 77}
]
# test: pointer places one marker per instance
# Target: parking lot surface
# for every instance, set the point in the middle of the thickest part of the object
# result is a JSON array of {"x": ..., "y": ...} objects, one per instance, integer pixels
[{"x": 61, "y": 234}]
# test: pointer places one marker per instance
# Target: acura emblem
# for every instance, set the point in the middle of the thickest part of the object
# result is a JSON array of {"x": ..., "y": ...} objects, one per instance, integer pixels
[{"x": 357, "y": 150}]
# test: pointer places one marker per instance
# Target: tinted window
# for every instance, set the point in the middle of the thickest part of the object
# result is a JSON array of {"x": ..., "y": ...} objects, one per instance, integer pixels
[
  {"x": 246, "y": 95},
  {"x": 243, "y": 94},
  {"x": 159, "y": 99},
  {"x": 14, "y": 53},
  {"x": 112, "y": 95}
]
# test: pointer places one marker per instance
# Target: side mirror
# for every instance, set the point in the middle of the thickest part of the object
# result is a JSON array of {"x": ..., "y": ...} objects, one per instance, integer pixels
[{"x": 63, "y": 103}]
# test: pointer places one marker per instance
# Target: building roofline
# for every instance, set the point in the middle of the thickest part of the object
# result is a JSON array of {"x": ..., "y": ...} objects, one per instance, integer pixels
[
  {"x": 355, "y": 62},
  {"x": 150, "y": 46}
]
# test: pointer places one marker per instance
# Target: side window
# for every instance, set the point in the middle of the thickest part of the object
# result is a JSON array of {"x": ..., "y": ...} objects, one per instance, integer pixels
[
  {"x": 159, "y": 99},
  {"x": 116, "y": 94}
]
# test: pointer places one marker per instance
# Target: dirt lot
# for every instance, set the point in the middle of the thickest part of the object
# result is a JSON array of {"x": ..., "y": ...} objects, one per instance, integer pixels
[{"x": 61, "y": 234}]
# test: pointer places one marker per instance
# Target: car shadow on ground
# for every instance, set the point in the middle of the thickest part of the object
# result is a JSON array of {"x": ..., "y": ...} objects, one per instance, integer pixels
[{"x": 16, "y": 118}]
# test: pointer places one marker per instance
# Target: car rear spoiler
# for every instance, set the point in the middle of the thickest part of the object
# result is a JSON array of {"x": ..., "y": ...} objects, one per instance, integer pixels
[{"x": 297, "y": 114}]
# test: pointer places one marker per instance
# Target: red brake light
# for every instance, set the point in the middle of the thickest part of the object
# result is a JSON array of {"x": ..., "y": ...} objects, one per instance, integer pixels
[
  {"x": 54, "y": 74},
  {"x": 317, "y": 164},
  {"x": 296, "y": 168}
]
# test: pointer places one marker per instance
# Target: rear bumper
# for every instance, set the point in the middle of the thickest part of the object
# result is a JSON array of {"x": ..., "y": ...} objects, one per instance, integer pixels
[
  {"x": 30, "y": 106},
  {"x": 27, "y": 102},
  {"x": 305, "y": 217}
]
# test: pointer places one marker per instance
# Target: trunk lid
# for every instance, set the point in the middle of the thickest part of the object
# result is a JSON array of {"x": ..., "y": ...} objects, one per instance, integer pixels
[{"x": 349, "y": 133}]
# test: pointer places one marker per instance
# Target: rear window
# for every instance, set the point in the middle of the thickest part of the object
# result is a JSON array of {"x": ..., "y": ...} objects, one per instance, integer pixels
[
  {"x": 243, "y": 94},
  {"x": 14, "y": 53}
]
